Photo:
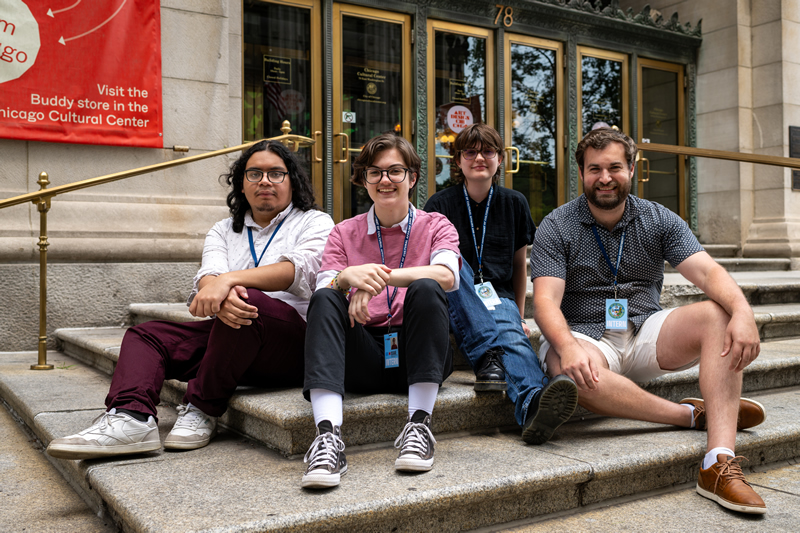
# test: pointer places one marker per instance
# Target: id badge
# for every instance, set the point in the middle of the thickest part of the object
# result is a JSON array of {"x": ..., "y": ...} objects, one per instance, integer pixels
[
  {"x": 617, "y": 313},
  {"x": 391, "y": 354},
  {"x": 487, "y": 295}
]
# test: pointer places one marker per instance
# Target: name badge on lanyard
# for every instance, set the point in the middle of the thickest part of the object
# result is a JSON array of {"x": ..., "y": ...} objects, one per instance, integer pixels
[
  {"x": 391, "y": 353},
  {"x": 616, "y": 309},
  {"x": 617, "y": 313},
  {"x": 484, "y": 289}
]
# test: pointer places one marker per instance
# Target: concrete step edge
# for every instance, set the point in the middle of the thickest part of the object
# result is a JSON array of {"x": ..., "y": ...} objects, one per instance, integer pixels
[
  {"x": 282, "y": 419},
  {"x": 574, "y": 473}
]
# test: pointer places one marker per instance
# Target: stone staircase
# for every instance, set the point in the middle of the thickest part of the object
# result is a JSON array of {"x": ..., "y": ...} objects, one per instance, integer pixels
[{"x": 485, "y": 476}]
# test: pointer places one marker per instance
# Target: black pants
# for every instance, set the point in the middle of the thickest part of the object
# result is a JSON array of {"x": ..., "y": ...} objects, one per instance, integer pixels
[{"x": 341, "y": 358}]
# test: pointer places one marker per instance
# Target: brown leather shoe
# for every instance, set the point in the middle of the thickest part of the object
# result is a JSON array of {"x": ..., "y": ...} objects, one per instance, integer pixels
[
  {"x": 751, "y": 413},
  {"x": 724, "y": 483}
]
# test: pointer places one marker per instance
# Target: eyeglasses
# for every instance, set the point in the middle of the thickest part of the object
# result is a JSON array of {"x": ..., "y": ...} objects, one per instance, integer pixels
[
  {"x": 255, "y": 175},
  {"x": 395, "y": 174},
  {"x": 472, "y": 154}
]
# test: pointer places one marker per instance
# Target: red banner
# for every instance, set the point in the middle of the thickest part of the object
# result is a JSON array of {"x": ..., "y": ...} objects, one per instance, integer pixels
[{"x": 81, "y": 71}]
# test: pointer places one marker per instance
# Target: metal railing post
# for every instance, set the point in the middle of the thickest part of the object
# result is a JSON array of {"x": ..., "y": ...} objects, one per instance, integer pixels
[
  {"x": 43, "y": 204},
  {"x": 42, "y": 198}
]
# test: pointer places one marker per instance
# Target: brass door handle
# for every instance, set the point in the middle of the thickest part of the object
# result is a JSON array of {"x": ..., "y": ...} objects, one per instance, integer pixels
[
  {"x": 511, "y": 159},
  {"x": 644, "y": 160},
  {"x": 317, "y": 158},
  {"x": 345, "y": 148}
]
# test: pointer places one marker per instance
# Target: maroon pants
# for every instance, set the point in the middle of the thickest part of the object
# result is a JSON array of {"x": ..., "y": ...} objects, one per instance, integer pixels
[{"x": 213, "y": 357}]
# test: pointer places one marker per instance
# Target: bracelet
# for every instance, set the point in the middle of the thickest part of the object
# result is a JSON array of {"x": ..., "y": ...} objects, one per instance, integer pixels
[
  {"x": 335, "y": 285},
  {"x": 524, "y": 321}
]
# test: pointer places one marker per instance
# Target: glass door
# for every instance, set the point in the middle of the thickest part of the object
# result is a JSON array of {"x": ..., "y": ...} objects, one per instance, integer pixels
[
  {"x": 372, "y": 91},
  {"x": 534, "y": 125},
  {"x": 282, "y": 77},
  {"x": 603, "y": 89},
  {"x": 461, "y": 83},
  {"x": 661, "y": 115}
]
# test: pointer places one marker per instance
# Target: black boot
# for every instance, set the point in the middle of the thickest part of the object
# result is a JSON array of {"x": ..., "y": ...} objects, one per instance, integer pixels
[{"x": 490, "y": 375}]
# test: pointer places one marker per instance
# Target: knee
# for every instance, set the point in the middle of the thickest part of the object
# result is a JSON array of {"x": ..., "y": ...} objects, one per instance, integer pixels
[
  {"x": 425, "y": 292},
  {"x": 713, "y": 315},
  {"x": 327, "y": 299}
]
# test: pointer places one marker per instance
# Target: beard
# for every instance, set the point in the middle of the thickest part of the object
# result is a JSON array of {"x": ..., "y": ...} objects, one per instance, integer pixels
[{"x": 609, "y": 202}]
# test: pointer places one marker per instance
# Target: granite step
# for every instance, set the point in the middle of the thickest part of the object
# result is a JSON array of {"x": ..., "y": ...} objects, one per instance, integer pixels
[
  {"x": 748, "y": 264},
  {"x": 282, "y": 419},
  {"x": 480, "y": 479},
  {"x": 760, "y": 288},
  {"x": 723, "y": 250}
]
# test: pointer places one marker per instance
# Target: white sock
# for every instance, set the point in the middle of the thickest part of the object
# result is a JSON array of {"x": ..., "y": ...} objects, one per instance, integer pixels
[
  {"x": 691, "y": 413},
  {"x": 422, "y": 396},
  {"x": 711, "y": 456},
  {"x": 327, "y": 405}
]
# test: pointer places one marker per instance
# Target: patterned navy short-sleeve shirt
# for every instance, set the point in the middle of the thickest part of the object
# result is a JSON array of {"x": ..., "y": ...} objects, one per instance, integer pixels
[{"x": 565, "y": 247}]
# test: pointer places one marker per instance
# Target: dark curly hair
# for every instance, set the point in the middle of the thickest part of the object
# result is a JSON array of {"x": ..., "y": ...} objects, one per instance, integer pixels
[{"x": 302, "y": 191}]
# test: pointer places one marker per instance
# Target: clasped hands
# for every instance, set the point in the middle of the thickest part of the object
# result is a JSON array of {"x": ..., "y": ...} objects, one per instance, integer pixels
[
  {"x": 217, "y": 297},
  {"x": 369, "y": 280}
]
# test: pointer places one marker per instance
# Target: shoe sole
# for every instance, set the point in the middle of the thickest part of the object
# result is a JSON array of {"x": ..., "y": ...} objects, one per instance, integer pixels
[
  {"x": 83, "y": 451},
  {"x": 730, "y": 505},
  {"x": 411, "y": 464},
  {"x": 556, "y": 406},
  {"x": 322, "y": 481},
  {"x": 747, "y": 400},
  {"x": 188, "y": 445},
  {"x": 485, "y": 386}
]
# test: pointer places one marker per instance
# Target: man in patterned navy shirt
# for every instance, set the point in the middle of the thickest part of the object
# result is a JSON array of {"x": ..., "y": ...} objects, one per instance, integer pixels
[{"x": 597, "y": 268}]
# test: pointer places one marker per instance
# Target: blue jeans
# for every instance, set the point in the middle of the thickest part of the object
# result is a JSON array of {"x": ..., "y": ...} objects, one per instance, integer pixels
[{"x": 478, "y": 329}]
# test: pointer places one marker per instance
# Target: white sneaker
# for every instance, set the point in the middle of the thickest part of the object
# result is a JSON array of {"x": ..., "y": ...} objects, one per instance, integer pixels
[
  {"x": 110, "y": 434},
  {"x": 326, "y": 460},
  {"x": 193, "y": 429}
]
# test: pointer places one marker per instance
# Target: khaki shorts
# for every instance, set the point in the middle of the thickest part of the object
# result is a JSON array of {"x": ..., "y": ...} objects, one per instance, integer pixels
[{"x": 629, "y": 355}]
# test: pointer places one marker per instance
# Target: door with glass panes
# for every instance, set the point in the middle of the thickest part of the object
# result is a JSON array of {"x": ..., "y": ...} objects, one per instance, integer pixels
[
  {"x": 372, "y": 92},
  {"x": 534, "y": 121},
  {"x": 282, "y": 67},
  {"x": 661, "y": 176},
  {"x": 460, "y": 92}
]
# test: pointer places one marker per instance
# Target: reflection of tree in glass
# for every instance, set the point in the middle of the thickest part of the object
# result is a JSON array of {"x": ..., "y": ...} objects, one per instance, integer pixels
[
  {"x": 602, "y": 92},
  {"x": 459, "y": 59},
  {"x": 475, "y": 73},
  {"x": 533, "y": 97}
]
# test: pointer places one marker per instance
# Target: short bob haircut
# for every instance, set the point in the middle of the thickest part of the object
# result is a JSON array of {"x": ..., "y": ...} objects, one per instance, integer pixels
[
  {"x": 600, "y": 138},
  {"x": 379, "y": 144},
  {"x": 472, "y": 137},
  {"x": 302, "y": 191}
]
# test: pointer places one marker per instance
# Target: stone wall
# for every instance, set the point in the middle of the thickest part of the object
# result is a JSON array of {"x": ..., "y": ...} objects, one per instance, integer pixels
[
  {"x": 748, "y": 96},
  {"x": 104, "y": 241}
]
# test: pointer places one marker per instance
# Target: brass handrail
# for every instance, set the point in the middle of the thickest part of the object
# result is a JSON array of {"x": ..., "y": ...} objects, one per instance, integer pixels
[
  {"x": 43, "y": 196},
  {"x": 773, "y": 160},
  {"x": 295, "y": 142}
]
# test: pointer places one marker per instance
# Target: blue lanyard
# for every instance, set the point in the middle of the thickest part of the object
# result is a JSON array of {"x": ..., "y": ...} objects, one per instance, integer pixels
[
  {"x": 614, "y": 270},
  {"x": 252, "y": 246},
  {"x": 390, "y": 297},
  {"x": 472, "y": 228}
]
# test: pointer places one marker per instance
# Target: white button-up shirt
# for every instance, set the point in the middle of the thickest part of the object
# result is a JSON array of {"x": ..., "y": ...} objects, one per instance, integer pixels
[{"x": 300, "y": 240}]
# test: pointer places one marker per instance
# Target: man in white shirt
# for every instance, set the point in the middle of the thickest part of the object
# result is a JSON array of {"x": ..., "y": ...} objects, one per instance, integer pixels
[{"x": 258, "y": 272}]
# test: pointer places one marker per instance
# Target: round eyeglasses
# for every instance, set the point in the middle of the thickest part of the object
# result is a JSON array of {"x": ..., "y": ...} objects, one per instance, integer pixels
[
  {"x": 395, "y": 174},
  {"x": 472, "y": 154},
  {"x": 255, "y": 175}
]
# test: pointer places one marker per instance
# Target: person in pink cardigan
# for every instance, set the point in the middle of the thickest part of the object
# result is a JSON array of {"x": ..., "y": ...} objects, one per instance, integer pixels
[{"x": 382, "y": 284}]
